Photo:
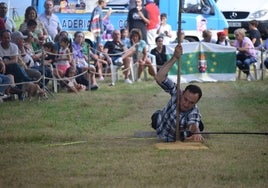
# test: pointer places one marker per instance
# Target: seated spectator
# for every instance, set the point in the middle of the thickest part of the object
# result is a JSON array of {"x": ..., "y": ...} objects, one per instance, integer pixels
[
  {"x": 29, "y": 44},
  {"x": 138, "y": 51},
  {"x": 9, "y": 53},
  {"x": 33, "y": 69},
  {"x": 64, "y": 59},
  {"x": 222, "y": 39},
  {"x": 81, "y": 62},
  {"x": 103, "y": 61},
  {"x": 31, "y": 14},
  {"x": 115, "y": 49},
  {"x": 4, "y": 79},
  {"x": 23, "y": 58},
  {"x": 159, "y": 52},
  {"x": 207, "y": 37},
  {"x": 50, "y": 54},
  {"x": 9, "y": 87},
  {"x": 182, "y": 37},
  {"x": 58, "y": 37},
  {"x": 246, "y": 54},
  {"x": 72, "y": 85}
]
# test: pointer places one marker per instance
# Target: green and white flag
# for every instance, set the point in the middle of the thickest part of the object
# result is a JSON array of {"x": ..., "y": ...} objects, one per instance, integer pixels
[{"x": 204, "y": 62}]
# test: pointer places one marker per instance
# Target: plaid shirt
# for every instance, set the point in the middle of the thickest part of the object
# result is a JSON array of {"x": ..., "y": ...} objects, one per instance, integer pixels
[{"x": 166, "y": 120}]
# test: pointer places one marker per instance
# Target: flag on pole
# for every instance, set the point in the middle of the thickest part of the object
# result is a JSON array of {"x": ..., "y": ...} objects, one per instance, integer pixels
[{"x": 204, "y": 62}]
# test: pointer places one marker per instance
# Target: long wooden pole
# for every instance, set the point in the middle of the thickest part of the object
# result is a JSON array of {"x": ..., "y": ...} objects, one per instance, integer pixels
[{"x": 178, "y": 76}]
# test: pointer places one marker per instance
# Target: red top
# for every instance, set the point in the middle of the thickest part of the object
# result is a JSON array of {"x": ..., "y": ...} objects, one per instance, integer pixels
[
  {"x": 2, "y": 25},
  {"x": 154, "y": 15}
]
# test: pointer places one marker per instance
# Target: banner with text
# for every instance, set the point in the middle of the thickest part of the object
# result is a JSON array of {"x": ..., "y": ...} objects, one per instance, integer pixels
[{"x": 204, "y": 62}]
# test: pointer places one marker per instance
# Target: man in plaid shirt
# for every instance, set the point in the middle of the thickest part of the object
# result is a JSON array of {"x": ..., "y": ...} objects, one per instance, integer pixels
[{"x": 164, "y": 121}]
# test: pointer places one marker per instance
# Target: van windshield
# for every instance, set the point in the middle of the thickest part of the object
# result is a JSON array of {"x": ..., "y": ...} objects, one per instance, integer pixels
[{"x": 197, "y": 7}]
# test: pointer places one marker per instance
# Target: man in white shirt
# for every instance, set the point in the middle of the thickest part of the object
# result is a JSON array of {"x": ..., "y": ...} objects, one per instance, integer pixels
[{"x": 50, "y": 20}]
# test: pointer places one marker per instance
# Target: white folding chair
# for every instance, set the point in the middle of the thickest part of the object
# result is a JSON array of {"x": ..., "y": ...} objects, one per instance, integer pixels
[
  {"x": 256, "y": 67},
  {"x": 136, "y": 67},
  {"x": 115, "y": 73}
]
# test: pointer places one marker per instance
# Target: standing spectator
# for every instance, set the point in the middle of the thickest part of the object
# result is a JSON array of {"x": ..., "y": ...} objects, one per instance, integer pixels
[
  {"x": 207, "y": 36},
  {"x": 81, "y": 62},
  {"x": 154, "y": 15},
  {"x": 254, "y": 33},
  {"x": 246, "y": 53},
  {"x": 115, "y": 49},
  {"x": 96, "y": 21},
  {"x": 125, "y": 37},
  {"x": 138, "y": 17},
  {"x": 164, "y": 29},
  {"x": 222, "y": 39},
  {"x": 9, "y": 22},
  {"x": 159, "y": 52},
  {"x": 50, "y": 20},
  {"x": 31, "y": 14},
  {"x": 264, "y": 46}
]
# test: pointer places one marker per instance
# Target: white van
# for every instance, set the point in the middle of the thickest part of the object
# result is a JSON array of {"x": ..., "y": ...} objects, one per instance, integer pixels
[{"x": 239, "y": 13}]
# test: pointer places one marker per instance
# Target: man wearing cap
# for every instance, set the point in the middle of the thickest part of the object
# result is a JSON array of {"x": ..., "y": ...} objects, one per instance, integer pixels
[
  {"x": 154, "y": 15},
  {"x": 9, "y": 53},
  {"x": 33, "y": 69}
]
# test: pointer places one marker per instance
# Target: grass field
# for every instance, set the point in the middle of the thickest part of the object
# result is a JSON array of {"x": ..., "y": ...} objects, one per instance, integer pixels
[{"x": 87, "y": 140}]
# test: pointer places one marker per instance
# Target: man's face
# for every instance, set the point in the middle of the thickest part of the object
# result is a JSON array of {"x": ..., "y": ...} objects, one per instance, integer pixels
[
  {"x": 188, "y": 100},
  {"x": 49, "y": 6},
  {"x": 116, "y": 36},
  {"x": 6, "y": 38},
  {"x": 3, "y": 9}
]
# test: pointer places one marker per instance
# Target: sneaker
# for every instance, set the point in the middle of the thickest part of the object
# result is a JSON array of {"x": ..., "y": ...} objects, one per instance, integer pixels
[
  {"x": 101, "y": 78},
  {"x": 128, "y": 81},
  {"x": 94, "y": 87},
  {"x": 112, "y": 84},
  {"x": 2, "y": 95},
  {"x": 118, "y": 61},
  {"x": 250, "y": 78},
  {"x": 139, "y": 80}
]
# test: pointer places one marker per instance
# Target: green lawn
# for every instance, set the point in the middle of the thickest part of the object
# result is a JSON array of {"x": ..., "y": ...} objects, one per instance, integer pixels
[{"x": 87, "y": 140}]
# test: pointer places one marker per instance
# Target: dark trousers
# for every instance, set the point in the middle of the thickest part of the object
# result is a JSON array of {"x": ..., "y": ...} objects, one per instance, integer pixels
[{"x": 18, "y": 72}]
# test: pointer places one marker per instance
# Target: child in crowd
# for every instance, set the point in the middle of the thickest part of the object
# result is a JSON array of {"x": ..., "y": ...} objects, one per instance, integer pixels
[
  {"x": 103, "y": 61},
  {"x": 63, "y": 61},
  {"x": 72, "y": 85},
  {"x": 222, "y": 39},
  {"x": 125, "y": 37}
]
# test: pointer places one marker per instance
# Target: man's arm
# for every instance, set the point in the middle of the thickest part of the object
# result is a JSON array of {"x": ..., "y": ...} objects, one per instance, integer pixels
[{"x": 162, "y": 73}]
